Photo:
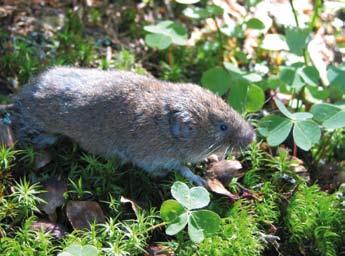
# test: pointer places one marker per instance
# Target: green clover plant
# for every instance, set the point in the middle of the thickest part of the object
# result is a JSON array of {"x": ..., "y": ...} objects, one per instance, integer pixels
[
  {"x": 306, "y": 127},
  {"x": 184, "y": 211},
  {"x": 164, "y": 34},
  {"x": 79, "y": 250}
]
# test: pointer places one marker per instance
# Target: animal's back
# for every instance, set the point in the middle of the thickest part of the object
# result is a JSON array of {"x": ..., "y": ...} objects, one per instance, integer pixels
[{"x": 107, "y": 112}]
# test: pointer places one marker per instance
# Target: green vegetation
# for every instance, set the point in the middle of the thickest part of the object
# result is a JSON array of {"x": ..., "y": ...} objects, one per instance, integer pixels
[{"x": 264, "y": 67}]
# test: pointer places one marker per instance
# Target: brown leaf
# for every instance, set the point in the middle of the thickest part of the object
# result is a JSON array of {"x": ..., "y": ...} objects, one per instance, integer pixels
[
  {"x": 133, "y": 205},
  {"x": 159, "y": 250},
  {"x": 213, "y": 158},
  {"x": 48, "y": 227},
  {"x": 81, "y": 213},
  {"x": 225, "y": 170},
  {"x": 217, "y": 187}
]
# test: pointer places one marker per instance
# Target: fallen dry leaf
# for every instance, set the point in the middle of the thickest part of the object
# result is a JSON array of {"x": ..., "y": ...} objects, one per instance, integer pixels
[
  {"x": 217, "y": 187},
  {"x": 81, "y": 213},
  {"x": 213, "y": 158},
  {"x": 225, "y": 170},
  {"x": 133, "y": 205},
  {"x": 53, "y": 196},
  {"x": 54, "y": 229},
  {"x": 159, "y": 250}
]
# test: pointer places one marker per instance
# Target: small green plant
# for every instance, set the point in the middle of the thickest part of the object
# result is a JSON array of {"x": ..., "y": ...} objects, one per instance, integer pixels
[
  {"x": 78, "y": 190},
  {"x": 7, "y": 157},
  {"x": 25, "y": 241},
  {"x": 182, "y": 211},
  {"x": 26, "y": 197},
  {"x": 28, "y": 156}
]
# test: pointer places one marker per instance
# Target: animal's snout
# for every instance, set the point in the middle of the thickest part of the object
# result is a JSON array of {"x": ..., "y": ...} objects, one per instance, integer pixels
[{"x": 249, "y": 137}]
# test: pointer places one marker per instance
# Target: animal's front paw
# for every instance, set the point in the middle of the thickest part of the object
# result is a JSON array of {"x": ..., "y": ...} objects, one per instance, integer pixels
[
  {"x": 197, "y": 180},
  {"x": 193, "y": 178}
]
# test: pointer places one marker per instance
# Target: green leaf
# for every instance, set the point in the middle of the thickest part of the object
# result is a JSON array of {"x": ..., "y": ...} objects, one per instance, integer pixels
[
  {"x": 177, "y": 225},
  {"x": 252, "y": 77},
  {"x": 170, "y": 210},
  {"x": 214, "y": 10},
  {"x": 306, "y": 133},
  {"x": 238, "y": 94},
  {"x": 255, "y": 23},
  {"x": 79, "y": 250},
  {"x": 310, "y": 75},
  {"x": 331, "y": 116},
  {"x": 302, "y": 116},
  {"x": 209, "y": 11},
  {"x": 272, "y": 82},
  {"x": 201, "y": 224},
  {"x": 232, "y": 68},
  {"x": 158, "y": 41},
  {"x": 336, "y": 77},
  {"x": 275, "y": 128},
  {"x": 194, "y": 198},
  {"x": 274, "y": 42},
  {"x": 217, "y": 80},
  {"x": 174, "y": 30},
  {"x": 297, "y": 39},
  {"x": 199, "y": 198},
  {"x": 195, "y": 234},
  {"x": 187, "y": 1},
  {"x": 194, "y": 12},
  {"x": 255, "y": 98},
  {"x": 283, "y": 109},
  {"x": 319, "y": 92}
]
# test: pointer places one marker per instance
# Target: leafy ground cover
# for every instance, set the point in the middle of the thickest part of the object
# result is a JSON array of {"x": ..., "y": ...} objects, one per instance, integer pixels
[{"x": 278, "y": 63}]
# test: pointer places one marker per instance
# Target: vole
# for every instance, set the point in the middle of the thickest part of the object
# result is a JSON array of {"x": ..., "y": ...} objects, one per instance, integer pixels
[{"x": 157, "y": 125}]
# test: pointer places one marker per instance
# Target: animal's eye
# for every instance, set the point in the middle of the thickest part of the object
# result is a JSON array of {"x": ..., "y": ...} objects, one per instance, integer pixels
[{"x": 223, "y": 127}]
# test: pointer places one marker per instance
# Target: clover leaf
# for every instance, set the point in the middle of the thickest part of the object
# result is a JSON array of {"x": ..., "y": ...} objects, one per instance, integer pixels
[
  {"x": 182, "y": 212},
  {"x": 165, "y": 33},
  {"x": 79, "y": 250},
  {"x": 276, "y": 129}
]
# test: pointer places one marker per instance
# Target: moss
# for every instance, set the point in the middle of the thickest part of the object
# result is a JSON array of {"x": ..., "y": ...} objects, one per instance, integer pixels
[
  {"x": 238, "y": 236},
  {"x": 315, "y": 221}
]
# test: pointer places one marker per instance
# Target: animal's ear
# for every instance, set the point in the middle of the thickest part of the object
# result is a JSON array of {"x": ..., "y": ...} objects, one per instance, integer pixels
[{"x": 180, "y": 123}]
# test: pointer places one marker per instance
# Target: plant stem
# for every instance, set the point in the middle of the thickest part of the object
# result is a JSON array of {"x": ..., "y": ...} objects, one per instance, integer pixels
[
  {"x": 156, "y": 226},
  {"x": 220, "y": 37},
  {"x": 322, "y": 149},
  {"x": 170, "y": 57},
  {"x": 294, "y": 12},
  {"x": 294, "y": 153},
  {"x": 315, "y": 14}
]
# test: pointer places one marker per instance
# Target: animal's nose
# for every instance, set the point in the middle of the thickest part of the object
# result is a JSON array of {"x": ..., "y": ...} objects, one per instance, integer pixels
[{"x": 250, "y": 136}]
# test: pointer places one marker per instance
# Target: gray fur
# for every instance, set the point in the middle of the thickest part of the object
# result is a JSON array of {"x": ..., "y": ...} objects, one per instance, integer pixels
[{"x": 157, "y": 125}]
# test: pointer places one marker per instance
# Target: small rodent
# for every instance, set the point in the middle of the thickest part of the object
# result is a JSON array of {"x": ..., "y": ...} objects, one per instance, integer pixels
[{"x": 157, "y": 125}]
